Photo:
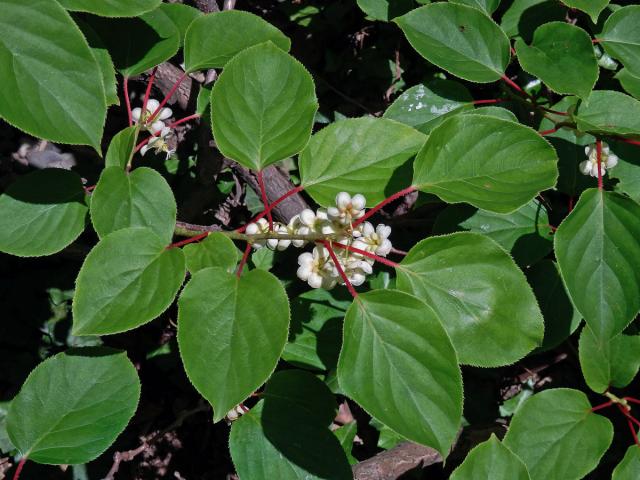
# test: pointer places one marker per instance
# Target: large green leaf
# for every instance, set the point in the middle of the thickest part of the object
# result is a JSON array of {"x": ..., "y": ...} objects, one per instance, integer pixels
[
  {"x": 142, "y": 198},
  {"x": 488, "y": 6},
  {"x": 385, "y": 10},
  {"x": 620, "y": 37},
  {"x": 461, "y": 39},
  {"x": 51, "y": 83},
  {"x": 613, "y": 363},
  {"x": 557, "y": 436},
  {"x": 398, "y": 341},
  {"x": 598, "y": 251},
  {"x": 128, "y": 279},
  {"x": 214, "y": 251},
  {"x": 493, "y": 164},
  {"x": 121, "y": 148},
  {"x": 41, "y": 213},
  {"x": 629, "y": 467},
  {"x": 591, "y": 7},
  {"x": 231, "y": 333},
  {"x": 73, "y": 406},
  {"x": 425, "y": 106},
  {"x": 182, "y": 17},
  {"x": 489, "y": 310},
  {"x": 360, "y": 155},
  {"x": 629, "y": 82},
  {"x": 607, "y": 111},
  {"x": 214, "y": 39},
  {"x": 491, "y": 460},
  {"x": 262, "y": 106},
  {"x": 111, "y": 8},
  {"x": 558, "y": 43},
  {"x": 522, "y": 17},
  {"x": 140, "y": 43},
  {"x": 286, "y": 436}
]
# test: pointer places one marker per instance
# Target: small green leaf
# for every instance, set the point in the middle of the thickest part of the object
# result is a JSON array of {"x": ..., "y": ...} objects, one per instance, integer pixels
[
  {"x": 627, "y": 172},
  {"x": 266, "y": 119},
  {"x": 346, "y": 435},
  {"x": 182, "y": 17},
  {"x": 629, "y": 82},
  {"x": 490, "y": 163},
  {"x": 73, "y": 406},
  {"x": 385, "y": 10},
  {"x": 629, "y": 467},
  {"x": 598, "y": 251},
  {"x": 557, "y": 436},
  {"x": 127, "y": 280},
  {"x": 460, "y": 39},
  {"x": 397, "y": 340},
  {"x": 607, "y": 111},
  {"x": 214, "y": 251},
  {"x": 231, "y": 333},
  {"x": 590, "y": 7},
  {"x": 51, "y": 82},
  {"x": 142, "y": 198},
  {"x": 214, "y": 39},
  {"x": 111, "y": 8},
  {"x": 41, "y": 213},
  {"x": 620, "y": 37},
  {"x": 121, "y": 148},
  {"x": 360, "y": 155},
  {"x": 491, "y": 460},
  {"x": 488, "y": 6},
  {"x": 563, "y": 44},
  {"x": 489, "y": 309},
  {"x": 605, "y": 364},
  {"x": 425, "y": 106}
]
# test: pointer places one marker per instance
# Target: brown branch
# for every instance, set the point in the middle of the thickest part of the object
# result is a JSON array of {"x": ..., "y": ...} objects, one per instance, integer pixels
[
  {"x": 207, "y": 6},
  {"x": 395, "y": 462}
]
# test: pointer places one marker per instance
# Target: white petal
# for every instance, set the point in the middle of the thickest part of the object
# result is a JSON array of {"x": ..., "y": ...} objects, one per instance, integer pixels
[
  {"x": 383, "y": 230},
  {"x": 135, "y": 114},
  {"x": 298, "y": 243},
  {"x": 358, "y": 201},
  {"x": 263, "y": 223},
  {"x": 333, "y": 212},
  {"x": 612, "y": 160},
  {"x": 159, "y": 127},
  {"x": 252, "y": 229},
  {"x": 145, "y": 149},
  {"x": 152, "y": 105},
  {"x": 307, "y": 217},
  {"x": 314, "y": 280},
  {"x": 587, "y": 150},
  {"x": 305, "y": 258},
  {"x": 303, "y": 272},
  {"x": 384, "y": 249},
  {"x": 272, "y": 243},
  {"x": 367, "y": 229},
  {"x": 165, "y": 113},
  {"x": 321, "y": 214},
  {"x": 283, "y": 244},
  {"x": 343, "y": 199},
  {"x": 357, "y": 279},
  {"x": 585, "y": 167}
]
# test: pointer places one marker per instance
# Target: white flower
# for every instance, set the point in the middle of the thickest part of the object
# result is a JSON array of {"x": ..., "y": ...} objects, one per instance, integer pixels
[
  {"x": 357, "y": 270},
  {"x": 152, "y": 106},
  {"x": 608, "y": 160},
  {"x": 259, "y": 227},
  {"x": 235, "y": 413},
  {"x": 347, "y": 208},
  {"x": 373, "y": 240},
  {"x": 159, "y": 143},
  {"x": 317, "y": 269},
  {"x": 279, "y": 244}
]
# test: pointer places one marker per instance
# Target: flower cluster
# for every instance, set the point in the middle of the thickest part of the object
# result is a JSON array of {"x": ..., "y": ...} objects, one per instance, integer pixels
[
  {"x": 161, "y": 132},
  {"x": 334, "y": 224},
  {"x": 590, "y": 166}
]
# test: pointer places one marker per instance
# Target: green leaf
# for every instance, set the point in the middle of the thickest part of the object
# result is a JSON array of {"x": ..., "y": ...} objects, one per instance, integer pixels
[
  {"x": 142, "y": 198},
  {"x": 620, "y": 37},
  {"x": 182, "y": 17},
  {"x": 111, "y": 8},
  {"x": 491, "y": 460},
  {"x": 598, "y": 252},
  {"x": 214, "y": 39},
  {"x": 266, "y": 119},
  {"x": 51, "y": 82},
  {"x": 488, "y": 6},
  {"x": 522, "y": 17},
  {"x": 140, "y": 43},
  {"x": 557, "y": 436},
  {"x": 214, "y": 251},
  {"x": 397, "y": 340},
  {"x": 127, "y": 280},
  {"x": 41, "y": 213},
  {"x": 525, "y": 233},
  {"x": 563, "y": 44},
  {"x": 425, "y": 106},
  {"x": 73, "y": 406},
  {"x": 489, "y": 309},
  {"x": 121, "y": 148},
  {"x": 231, "y": 333},
  {"x": 385, "y": 10},
  {"x": 286, "y": 436},
  {"x": 497, "y": 112},
  {"x": 346, "y": 435},
  {"x": 627, "y": 172},
  {"x": 629, "y": 82},
  {"x": 360, "y": 155},
  {"x": 590, "y": 7},
  {"x": 460, "y": 39},
  {"x": 629, "y": 467},
  {"x": 606, "y": 111},
  {"x": 490, "y": 163},
  {"x": 605, "y": 364},
  {"x": 560, "y": 317}
]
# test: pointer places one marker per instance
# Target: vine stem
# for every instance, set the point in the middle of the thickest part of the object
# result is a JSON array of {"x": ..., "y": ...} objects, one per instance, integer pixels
[
  {"x": 195, "y": 238},
  {"x": 147, "y": 92},
  {"x": 377, "y": 258},
  {"x": 386, "y": 201},
  {"x": 265, "y": 200},
  {"x": 630, "y": 420},
  {"x": 548, "y": 132},
  {"x": 243, "y": 262},
  {"x": 127, "y": 102},
  {"x": 631, "y": 399},
  {"x": 168, "y": 96},
  {"x": 488, "y": 101},
  {"x": 514, "y": 85},
  {"x": 275, "y": 203},
  {"x": 628, "y": 140},
  {"x": 599, "y": 157},
  {"x": 601, "y": 406},
  {"x": 19, "y": 468},
  {"x": 343, "y": 275}
]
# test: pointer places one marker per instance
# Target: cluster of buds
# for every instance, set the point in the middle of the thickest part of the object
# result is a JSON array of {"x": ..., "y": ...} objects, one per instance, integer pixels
[
  {"x": 336, "y": 226},
  {"x": 607, "y": 160},
  {"x": 161, "y": 132}
]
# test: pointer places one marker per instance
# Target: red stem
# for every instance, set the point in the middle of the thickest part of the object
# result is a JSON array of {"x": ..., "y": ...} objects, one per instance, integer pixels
[
  {"x": 19, "y": 468},
  {"x": 336, "y": 262},
  {"x": 490, "y": 100},
  {"x": 265, "y": 200},
  {"x": 127, "y": 101},
  {"x": 555, "y": 112},
  {"x": 548, "y": 132},
  {"x": 147, "y": 93},
  {"x": 599, "y": 157},
  {"x": 596, "y": 40},
  {"x": 633, "y": 432},
  {"x": 631, "y": 399},
  {"x": 630, "y": 421},
  {"x": 167, "y": 97},
  {"x": 243, "y": 262},
  {"x": 513, "y": 84},
  {"x": 388, "y": 200},
  {"x": 570, "y": 204},
  {"x": 188, "y": 240},
  {"x": 377, "y": 258},
  {"x": 628, "y": 140},
  {"x": 601, "y": 406},
  {"x": 273, "y": 204},
  {"x": 172, "y": 125}
]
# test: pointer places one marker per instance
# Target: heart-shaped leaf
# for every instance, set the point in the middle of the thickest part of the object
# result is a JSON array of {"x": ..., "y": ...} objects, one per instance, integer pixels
[
  {"x": 214, "y": 251},
  {"x": 606, "y": 111},
  {"x": 629, "y": 467},
  {"x": 591, "y": 7},
  {"x": 121, "y": 148},
  {"x": 491, "y": 460},
  {"x": 620, "y": 37},
  {"x": 112, "y": 8},
  {"x": 488, "y": 6}
]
